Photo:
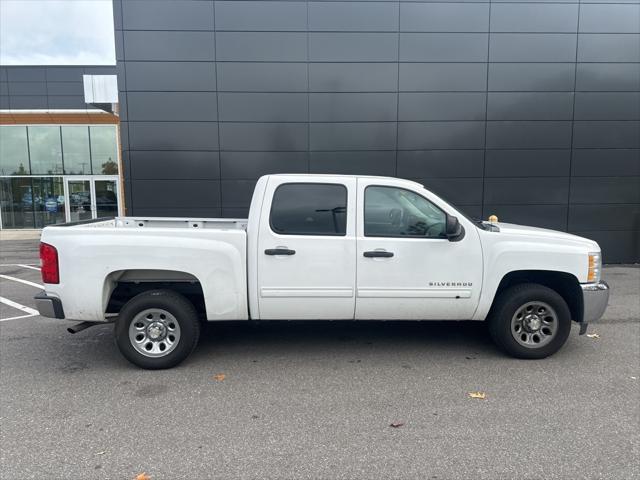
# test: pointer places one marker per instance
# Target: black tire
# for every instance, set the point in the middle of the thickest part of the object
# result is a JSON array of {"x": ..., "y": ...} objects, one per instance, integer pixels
[
  {"x": 183, "y": 317},
  {"x": 509, "y": 303}
]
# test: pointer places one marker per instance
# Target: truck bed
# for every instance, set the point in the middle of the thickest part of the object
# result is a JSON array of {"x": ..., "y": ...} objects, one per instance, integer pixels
[{"x": 165, "y": 222}]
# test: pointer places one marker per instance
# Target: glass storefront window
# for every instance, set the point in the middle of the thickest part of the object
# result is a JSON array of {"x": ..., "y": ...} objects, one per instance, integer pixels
[
  {"x": 31, "y": 202},
  {"x": 45, "y": 150},
  {"x": 75, "y": 150},
  {"x": 14, "y": 154},
  {"x": 104, "y": 150}
]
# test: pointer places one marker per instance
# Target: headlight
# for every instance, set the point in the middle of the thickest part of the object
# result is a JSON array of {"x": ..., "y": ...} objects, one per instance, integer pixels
[{"x": 595, "y": 267}]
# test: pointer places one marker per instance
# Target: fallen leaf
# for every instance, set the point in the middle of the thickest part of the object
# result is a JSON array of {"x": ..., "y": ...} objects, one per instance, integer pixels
[
  {"x": 593, "y": 335},
  {"x": 101, "y": 453},
  {"x": 219, "y": 377},
  {"x": 142, "y": 476},
  {"x": 480, "y": 395},
  {"x": 396, "y": 424}
]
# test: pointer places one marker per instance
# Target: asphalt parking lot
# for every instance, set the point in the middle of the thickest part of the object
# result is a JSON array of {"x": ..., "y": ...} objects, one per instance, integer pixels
[{"x": 316, "y": 400}]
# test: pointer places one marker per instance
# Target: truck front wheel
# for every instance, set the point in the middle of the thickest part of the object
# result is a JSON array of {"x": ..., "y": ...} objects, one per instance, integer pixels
[
  {"x": 530, "y": 321},
  {"x": 157, "y": 329}
]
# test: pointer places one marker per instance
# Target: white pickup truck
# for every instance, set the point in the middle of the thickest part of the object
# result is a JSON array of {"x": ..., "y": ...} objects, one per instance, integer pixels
[{"x": 328, "y": 247}]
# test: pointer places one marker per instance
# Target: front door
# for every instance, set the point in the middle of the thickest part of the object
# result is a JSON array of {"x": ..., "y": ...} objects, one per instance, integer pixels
[
  {"x": 407, "y": 268},
  {"x": 90, "y": 197},
  {"x": 307, "y": 249}
]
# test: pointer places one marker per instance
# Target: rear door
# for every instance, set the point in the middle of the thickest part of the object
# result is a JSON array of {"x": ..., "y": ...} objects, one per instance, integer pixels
[{"x": 307, "y": 248}]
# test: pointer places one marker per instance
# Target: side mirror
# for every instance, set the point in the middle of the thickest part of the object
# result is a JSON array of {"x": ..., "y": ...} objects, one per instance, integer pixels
[{"x": 454, "y": 230}]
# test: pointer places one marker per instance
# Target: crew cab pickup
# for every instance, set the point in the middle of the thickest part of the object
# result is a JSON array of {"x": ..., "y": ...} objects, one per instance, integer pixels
[{"x": 328, "y": 247}]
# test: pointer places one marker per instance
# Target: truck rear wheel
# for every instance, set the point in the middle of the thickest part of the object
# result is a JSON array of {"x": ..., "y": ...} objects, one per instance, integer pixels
[
  {"x": 157, "y": 329},
  {"x": 530, "y": 321}
]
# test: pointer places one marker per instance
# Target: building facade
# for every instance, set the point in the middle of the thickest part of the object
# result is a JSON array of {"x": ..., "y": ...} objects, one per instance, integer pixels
[{"x": 526, "y": 110}]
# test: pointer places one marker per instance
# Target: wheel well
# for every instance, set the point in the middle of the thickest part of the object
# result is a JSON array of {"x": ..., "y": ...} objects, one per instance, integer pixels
[
  {"x": 565, "y": 284},
  {"x": 124, "y": 285}
]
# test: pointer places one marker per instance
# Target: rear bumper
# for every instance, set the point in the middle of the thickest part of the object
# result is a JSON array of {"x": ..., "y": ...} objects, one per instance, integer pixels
[
  {"x": 49, "y": 306},
  {"x": 595, "y": 297}
]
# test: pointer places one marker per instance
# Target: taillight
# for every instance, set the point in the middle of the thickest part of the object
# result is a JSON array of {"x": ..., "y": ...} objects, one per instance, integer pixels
[{"x": 49, "y": 263}]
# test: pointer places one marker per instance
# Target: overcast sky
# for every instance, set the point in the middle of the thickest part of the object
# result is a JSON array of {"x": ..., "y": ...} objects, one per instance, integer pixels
[{"x": 56, "y": 32}]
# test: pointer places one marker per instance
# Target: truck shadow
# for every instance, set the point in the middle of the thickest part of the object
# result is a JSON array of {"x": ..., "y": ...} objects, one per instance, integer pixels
[{"x": 268, "y": 337}]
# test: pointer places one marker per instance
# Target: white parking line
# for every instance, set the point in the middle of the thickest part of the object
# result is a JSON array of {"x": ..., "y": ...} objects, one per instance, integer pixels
[
  {"x": 16, "y": 318},
  {"x": 29, "y": 266},
  {"x": 11, "y": 303},
  {"x": 26, "y": 282},
  {"x": 19, "y": 265}
]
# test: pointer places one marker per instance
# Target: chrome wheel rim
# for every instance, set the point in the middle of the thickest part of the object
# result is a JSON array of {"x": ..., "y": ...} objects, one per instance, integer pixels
[
  {"x": 534, "y": 324},
  {"x": 154, "y": 332}
]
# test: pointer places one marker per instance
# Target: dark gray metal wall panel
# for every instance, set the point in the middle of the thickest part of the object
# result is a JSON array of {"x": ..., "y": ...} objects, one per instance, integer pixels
[
  {"x": 353, "y": 163},
  {"x": 617, "y": 246},
  {"x": 346, "y": 107},
  {"x": 252, "y": 165},
  {"x": 523, "y": 77},
  {"x": 176, "y": 46},
  {"x": 440, "y": 163},
  {"x": 237, "y": 193},
  {"x": 192, "y": 212},
  {"x": 173, "y": 135},
  {"x": 605, "y": 162},
  {"x": 387, "y": 88},
  {"x": 167, "y": 15},
  {"x": 262, "y": 77},
  {"x": 28, "y": 88},
  {"x": 4, "y": 102},
  {"x": 552, "y": 18},
  {"x": 4, "y": 89},
  {"x": 171, "y": 76},
  {"x": 519, "y": 191},
  {"x": 610, "y": 18},
  {"x": 172, "y": 106},
  {"x": 263, "y": 107},
  {"x": 530, "y": 134},
  {"x": 261, "y": 15},
  {"x": 444, "y": 17},
  {"x": 353, "y": 17},
  {"x": 353, "y": 77},
  {"x": 28, "y": 102},
  {"x": 606, "y": 134},
  {"x": 443, "y": 47},
  {"x": 605, "y": 190},
  {"x": 66, "y": 74},
  {"x": 264, "y": 136},
  {"x": 608, "y": 47},
  {"x": 532, "y": 47},
  {"x": 455, "y": 77},
  {"x": 160, "y": 194},
  {"x": 66, "y": 102},
  {"x": 161, "y": 165},
  {"x": 527, "y": 163},
  {"x": 441, "y": 106},
  {"x": 459, "y": 191},
  {"x": 353, "y": 47},
  {"x": 352, "y": 136},
  {"x": 261, "y": 46},
  {"x": 607, "y": 77},
  {"x": 607, "y": 106},
  {"x": 65, "y": 88},
  {"x": 26, "y": 74},
  {"x": 440, "y": 135},
  {"x": 543, "y": 216},
  {"x": 530, "y": 106},
  {"x": 604, "y": 217}
]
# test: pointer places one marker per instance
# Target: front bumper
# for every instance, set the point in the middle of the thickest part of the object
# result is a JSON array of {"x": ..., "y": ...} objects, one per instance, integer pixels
[
  {"x": 49, "y": 306},
  {"x": 595, "y": 297}
]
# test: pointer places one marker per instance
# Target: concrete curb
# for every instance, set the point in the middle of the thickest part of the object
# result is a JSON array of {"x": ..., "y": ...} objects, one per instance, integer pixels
[{"x": 20, "y": 234}]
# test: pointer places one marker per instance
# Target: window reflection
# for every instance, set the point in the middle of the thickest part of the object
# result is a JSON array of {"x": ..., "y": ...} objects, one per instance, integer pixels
[
  {"x": 45, "y": 150},
  {"x": 104, "y": 150},
  {"x": 75, "y": 142},
  {"x": 14, "y": 155},
  {"x": 31, "y": 202}
]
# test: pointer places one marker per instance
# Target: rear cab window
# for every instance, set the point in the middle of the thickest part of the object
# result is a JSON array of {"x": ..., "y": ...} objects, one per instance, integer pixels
[{"x": 309, "y": 209}]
